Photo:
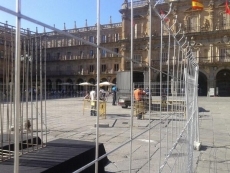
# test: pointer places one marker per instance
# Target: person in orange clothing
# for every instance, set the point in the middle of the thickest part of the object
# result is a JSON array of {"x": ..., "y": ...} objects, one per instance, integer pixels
[{"x": 138, "y": 93}]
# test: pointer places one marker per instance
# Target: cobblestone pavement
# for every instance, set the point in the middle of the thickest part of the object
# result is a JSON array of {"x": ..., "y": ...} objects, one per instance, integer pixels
[{"x": 67, "y": 119}]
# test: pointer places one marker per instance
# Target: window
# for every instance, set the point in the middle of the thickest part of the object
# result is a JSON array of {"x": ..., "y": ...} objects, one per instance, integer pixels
[
  {"x": 1, "y": 54},
  {"x": 80, "y": 69},
  {"x": 116, "y": 37},
  {"x": 91, "y": 39},
  {"x": 193, "y": 25},
  {"x": 70, "y": 42},
  {"x": 47, "y": 56},
  {"x": 103, "y": 68},
  {"x": 68, "y": 56},
  {"x": 226, "y": 21},
  {"x": 58, "y": 56},
  {"x": 224, "y": 53},
  {"x": 165, "y": 27},
  {"x": 103, "y": 38},
  {"x": 116, "y": 50},
  {"x": 59, "y": 43},
  {"x": 81, "y": 54},
  {"x": 164, "y": 56},
  {"x": 1, "y": 41},
  {"x": 48, "y": 44},
  {"x": 205, "y": 53},
  {"x": 103, "y": 53},
  {"x": 91, "y": 53},
  {"x": 137, "y": 58},
  {"x": 91, "y": 68},
  {"x": 116, "y": 67},
  {"x": 69, "y": 70}
]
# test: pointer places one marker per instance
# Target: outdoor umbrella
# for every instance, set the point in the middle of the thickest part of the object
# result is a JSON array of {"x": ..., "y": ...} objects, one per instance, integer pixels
[
  {"x": 86, "y": 84},
  {"x": 106, "y": 84},
  {"x": 65, "y": 83}
]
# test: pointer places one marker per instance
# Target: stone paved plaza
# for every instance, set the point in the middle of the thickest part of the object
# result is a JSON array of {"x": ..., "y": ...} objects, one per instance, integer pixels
[{"x": 66, "y": 120}]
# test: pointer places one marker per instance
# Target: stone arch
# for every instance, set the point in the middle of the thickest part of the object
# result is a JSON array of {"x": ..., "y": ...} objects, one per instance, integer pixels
[
  {"x": 223, "y": 82},
  {"x": 202, "y": 84},
  {"x": 70, "y": 86},
  {"x": 80, "y": 88},
  {"x": 103, "y": 80},
  {"x": 58, "y": 84},
  {"x": 114, "y": 80},
  {"x": 164, "y": 83},
  {"x": 92, "y": 81},
  {"x": 48, "y": 85},
  {"x": 138, "y": 76}
]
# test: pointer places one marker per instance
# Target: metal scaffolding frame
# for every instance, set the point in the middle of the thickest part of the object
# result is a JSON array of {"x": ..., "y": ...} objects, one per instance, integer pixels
[{"x": 174, "y": 102}]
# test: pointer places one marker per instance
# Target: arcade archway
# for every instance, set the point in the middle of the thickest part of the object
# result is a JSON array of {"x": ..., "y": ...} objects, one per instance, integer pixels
[
  {"x": 92, "y": 81},
  {"x": 79, "y": 88},
  {"x": 202, "y": 84},
  {"x": 165, "y": 78},
  {"x": 58, "y": 84},
  {"x": 48, "y": 85},
  {"x": 223, "y": 83}
]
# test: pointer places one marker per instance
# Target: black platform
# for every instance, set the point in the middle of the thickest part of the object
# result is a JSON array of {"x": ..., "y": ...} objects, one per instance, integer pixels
[{"x": 59, "y": 156}]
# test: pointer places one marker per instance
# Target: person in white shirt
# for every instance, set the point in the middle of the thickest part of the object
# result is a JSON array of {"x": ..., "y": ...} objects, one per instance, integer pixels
[{"x": 93, "y": 102}]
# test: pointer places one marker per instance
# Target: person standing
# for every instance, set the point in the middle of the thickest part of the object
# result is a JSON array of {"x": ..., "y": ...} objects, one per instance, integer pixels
[
  {"x": 139, "y": 105},
  {"x": 114, "y": 90},
  {"x": 93, "y": 102},
  {"x": 138, "y": 93}
]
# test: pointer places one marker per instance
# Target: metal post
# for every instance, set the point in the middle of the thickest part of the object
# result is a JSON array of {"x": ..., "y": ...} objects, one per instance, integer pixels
[
  {"x": 17, "y": 88},
  {"x": 98, "y": 81},
  {"x": 150, "y": 95},
  {"x": 131, "y": 88},
  {"x": 161, "y": 50}
]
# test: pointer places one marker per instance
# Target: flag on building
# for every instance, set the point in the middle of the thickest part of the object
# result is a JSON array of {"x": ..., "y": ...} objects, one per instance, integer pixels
[
  {"x": 163, "y": 16},
  {"x": 197, "y": 5},
  {"x": 227, "y": 9}
]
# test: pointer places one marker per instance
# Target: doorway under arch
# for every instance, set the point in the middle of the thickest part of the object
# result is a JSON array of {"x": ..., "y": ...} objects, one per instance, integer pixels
[
  {"x": 165, "y": 78},
  {"x": 223, "y": 83},
  {"x": 58, "y": 84},
  {"x": 202, "y": 84},
  {"x": 114, "y": 80},
  {"x": 48, "y": 85},
  {"x": 79, "y": 87},
  {"x": 69, "y": 87},
  {"x": 92, "y": 81}
]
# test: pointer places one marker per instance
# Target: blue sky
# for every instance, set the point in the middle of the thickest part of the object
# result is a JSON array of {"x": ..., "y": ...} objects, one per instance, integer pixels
[{"x": 59, "y": 12}]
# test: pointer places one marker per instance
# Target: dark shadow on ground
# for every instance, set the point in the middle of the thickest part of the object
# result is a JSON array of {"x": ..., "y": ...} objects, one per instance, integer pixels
[
  {"x": 204, "y": 147},
  {"x": 203, "y": 110},
  {"x": 117, "y": 115}
]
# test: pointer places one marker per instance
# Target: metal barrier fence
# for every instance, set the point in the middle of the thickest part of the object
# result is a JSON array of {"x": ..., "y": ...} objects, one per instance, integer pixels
[{"x": 172, "y": 100}]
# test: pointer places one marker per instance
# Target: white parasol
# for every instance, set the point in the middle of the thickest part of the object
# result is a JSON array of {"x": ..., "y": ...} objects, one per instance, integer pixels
[
  {"x": 106, "y": 84},
  {"x": 86, "y": 84},
  {"x": 65, "y": 83}
]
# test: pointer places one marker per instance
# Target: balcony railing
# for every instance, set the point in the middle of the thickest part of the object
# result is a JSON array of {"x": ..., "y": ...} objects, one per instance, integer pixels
[{"x": 88, "y": 28}]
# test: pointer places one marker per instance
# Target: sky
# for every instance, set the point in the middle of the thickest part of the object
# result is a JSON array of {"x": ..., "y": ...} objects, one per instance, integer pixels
[{"x": 59, "y": 12}]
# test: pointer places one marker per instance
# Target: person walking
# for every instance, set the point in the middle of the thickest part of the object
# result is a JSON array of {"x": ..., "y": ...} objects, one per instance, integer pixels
[
  {"x": 114, "y": 90},
  {"x": 93, "y": 102}
]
